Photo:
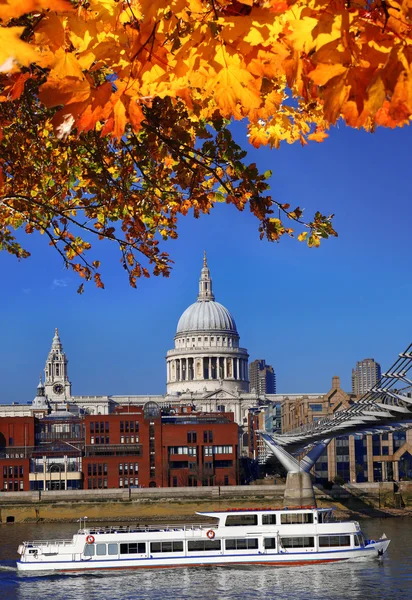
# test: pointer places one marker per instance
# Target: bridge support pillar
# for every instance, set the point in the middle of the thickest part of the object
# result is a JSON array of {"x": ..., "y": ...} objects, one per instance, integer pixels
[{"x": 299, "y": 490}]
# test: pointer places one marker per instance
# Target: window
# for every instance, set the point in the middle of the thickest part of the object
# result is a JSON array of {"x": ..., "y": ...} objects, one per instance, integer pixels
[
  {"x": 89, "y": 550},
  {"x": 203, "y": 545},
  {"x": 166, "y": 547},
  {"x": 191, "y": 437},
  {"x": 242, "y": 544},
  {"x": 112, "y": 549},
  {"x": 101, "y": 549},
  {"x": 240, "y": 520},
  {"x": 269, "y": 543},
  {"x": 133, "y": 548},
  {"x": 334, "y": 540},
  {"x": 296, "y": 518},
  {"x": 269, "y": 520},
  {"x": 297, "y": 542}
]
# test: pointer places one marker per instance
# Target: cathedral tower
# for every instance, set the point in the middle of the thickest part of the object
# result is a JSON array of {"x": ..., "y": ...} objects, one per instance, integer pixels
[{"x": 57, "y": 385}]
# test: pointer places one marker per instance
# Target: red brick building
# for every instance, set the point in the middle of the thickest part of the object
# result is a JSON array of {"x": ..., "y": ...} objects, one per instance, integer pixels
[
  {"x": 16, "y": 441},
  {"x": 129, "y": 448},
  {"x": 200, "y": 450}
]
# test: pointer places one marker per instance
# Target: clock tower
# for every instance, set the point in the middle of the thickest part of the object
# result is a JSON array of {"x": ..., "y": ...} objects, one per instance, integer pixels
[{"x": 57, "y": 385}]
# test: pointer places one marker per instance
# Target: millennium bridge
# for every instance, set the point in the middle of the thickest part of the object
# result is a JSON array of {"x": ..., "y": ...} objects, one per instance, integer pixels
[{"x": 386, "y": 407}]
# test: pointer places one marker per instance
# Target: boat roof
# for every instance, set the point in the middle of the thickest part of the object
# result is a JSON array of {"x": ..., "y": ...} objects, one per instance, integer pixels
[{"x": 216, "y": 513}]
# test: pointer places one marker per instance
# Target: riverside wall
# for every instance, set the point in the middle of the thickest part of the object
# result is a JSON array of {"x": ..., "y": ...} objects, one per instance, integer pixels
[{"x": 148, "y": 504}]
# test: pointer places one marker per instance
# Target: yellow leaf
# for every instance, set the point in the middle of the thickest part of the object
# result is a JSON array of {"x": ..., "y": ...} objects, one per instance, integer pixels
[
  {"x": 66, "y": 65},
  {"x": 13, "y": 51},
  {"x": 302, "y": 236}
]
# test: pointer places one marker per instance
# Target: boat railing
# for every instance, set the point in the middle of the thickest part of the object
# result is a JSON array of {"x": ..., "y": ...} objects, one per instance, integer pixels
[
  {"x": 48, "y": 543},
  {"x": 146, "y": 528}
]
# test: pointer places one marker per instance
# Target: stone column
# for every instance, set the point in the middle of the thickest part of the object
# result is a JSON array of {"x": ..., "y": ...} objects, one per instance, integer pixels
[
  {"x": 369, "y": 448},
  {"x": 44, "y": 472},
  {"x": 224, "y": 368},
  {"x": 352, "y": 460},
  {"x": 210, "y": 368},
  {"x": 396, "y": 470},
  {"x": 299, "y": 490},
  {"x": 65, "y": 472},
  {"x": 332, "y": 460}
]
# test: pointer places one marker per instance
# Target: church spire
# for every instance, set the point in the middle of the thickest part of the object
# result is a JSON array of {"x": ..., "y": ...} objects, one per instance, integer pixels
[
  {"x": 205, "y": 283},
  {"x": 56, "y": 343}
]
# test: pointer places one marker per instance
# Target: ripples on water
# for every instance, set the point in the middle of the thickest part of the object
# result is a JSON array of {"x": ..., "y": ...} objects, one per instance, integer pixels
[{"x": 386, "y": 579}]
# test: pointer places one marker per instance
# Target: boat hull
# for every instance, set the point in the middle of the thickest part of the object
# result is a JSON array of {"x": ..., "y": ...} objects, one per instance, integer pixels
[{"x": 283, "y": 559}]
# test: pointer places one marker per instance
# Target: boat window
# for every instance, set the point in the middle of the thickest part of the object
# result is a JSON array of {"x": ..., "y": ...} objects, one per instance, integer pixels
[
  {"x": 166, "y": 547},
  {"x": 242, "y": 544},
  {"x": 326, "y": 517},
  {"x": 112, "y": 549},
  {"x": 133, "y": 548},
  {"x": 269, "y": 543},
  {"x": 334, "y": 540},
  {"x": 241, "y": 520},
  {"x": 356, "y": 540},
  {"x": 89, "y": 550},
  {"x": 100, "y": 549},
  {"x": 203, "y": 545},
  {"x": 269, "y": 519},
  {"x": 297, "y": 542},
  {"x": 296, "y": 518}
]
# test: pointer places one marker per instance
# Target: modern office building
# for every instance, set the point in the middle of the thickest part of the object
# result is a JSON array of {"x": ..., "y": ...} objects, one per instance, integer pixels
[
  {"x": 365, "y": 375},
  {"x": 262, "y": 377}
]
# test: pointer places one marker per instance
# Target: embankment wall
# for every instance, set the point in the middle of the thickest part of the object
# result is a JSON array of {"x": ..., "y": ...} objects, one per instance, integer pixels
[{"x": 182, "y": 503}]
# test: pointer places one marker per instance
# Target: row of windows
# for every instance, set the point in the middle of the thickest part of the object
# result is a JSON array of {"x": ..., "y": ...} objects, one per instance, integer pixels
[
  {"x": 13, "y": 486},
  {"x": 210, "y": 450},
  {"x": 128, "y": 468},
  {"x": 192, "y": 437},
  {"x": 96, "y": 469},
  {"x": 334, "y": 540},
  {"x": 206, "y": 339},
  {"x": 129, "y": 426},
  {"x": 129, "y": 481},
  {"x": 97, "y": 483},
  {"x": 269, "y": 519},
  {"x": 133, "y": 439},
  {"x": 99, "y": 427},
  {"x": 297, "y": 542},
  {"x": 192, "y": 451},
  {"x": 192, "y": 546},
  {"x": 100, "y": 439},
  {"x": 12, "y": 471}
]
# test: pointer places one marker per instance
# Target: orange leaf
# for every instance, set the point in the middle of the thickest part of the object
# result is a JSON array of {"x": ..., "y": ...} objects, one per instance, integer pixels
[
  {"x": 119, "y": 113},
  {"x": 323, "y": 73},
  {"x": 135, "y": 113}
]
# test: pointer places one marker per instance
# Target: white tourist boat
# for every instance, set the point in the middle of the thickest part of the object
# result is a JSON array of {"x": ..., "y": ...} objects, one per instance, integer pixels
[{"x": 235, "y": 537}]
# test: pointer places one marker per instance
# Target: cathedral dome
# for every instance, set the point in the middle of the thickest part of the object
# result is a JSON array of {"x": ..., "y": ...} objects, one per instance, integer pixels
[{"x": 206, "y": 316}]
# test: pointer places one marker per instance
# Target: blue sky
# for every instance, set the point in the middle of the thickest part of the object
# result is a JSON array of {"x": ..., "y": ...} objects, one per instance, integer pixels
[{"x": 311, "y": 313}]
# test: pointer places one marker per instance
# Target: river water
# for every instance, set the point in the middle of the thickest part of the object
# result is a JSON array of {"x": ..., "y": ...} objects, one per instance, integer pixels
[{"x": 389, "y": 578}]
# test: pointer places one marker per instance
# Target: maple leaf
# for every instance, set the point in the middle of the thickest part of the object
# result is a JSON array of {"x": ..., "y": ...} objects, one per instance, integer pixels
[{"x": 13, "y": 51}]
